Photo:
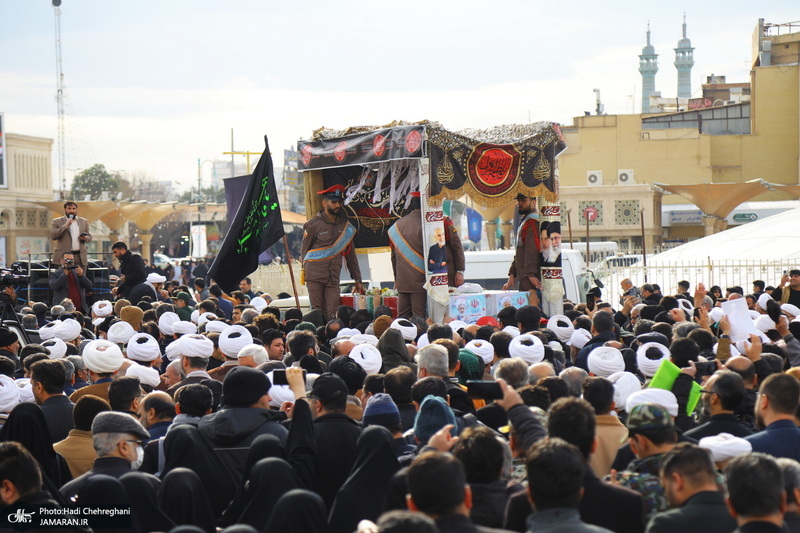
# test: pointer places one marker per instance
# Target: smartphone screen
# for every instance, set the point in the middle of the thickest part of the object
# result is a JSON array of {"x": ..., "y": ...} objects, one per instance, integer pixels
[{"x": 485, "y": 390}]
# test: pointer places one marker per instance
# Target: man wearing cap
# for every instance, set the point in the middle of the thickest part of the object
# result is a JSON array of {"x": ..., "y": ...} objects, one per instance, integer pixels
[
  {"x": 244, "y": 417},
  {"x": 118, "y": 439},
  {"x": 183, "y": 306},
  {"x": 71, "y": 234},
  {"x": 408, "y": 264},
  {"x": 131, "y": 267},
  {"x": 335, "y": 432},
  {"x": 525, "y": 266},
  {"x": 69, "y": 282},
  {"x": 651, "y": 434},
  {"x": 326, "y": 239}
]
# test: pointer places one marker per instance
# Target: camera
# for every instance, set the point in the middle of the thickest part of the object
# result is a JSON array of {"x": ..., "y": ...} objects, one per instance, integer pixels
[
  {"x": 13, "y": 278},
  {"x": 69, "y": 264}
]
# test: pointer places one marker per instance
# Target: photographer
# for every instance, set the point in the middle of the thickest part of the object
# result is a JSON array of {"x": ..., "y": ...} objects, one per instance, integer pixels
[
  {"x": 70, "y": 282},
  {"x": 71, "y": 234}
]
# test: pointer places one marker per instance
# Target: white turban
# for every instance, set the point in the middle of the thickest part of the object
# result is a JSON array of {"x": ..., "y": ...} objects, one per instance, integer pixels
[
  {"x": 234, "y": 338},
  {"x": 512, "y": 330},
  {"x": 625, "y": 384},
  {"x": 120, "y": 332},
  {"x": 716, "y": 314},
  {"x": 67, "y": 330},
  {"x": 217, "y": 326},
  {"x": 790, "y": 309},
  {"x": 725, "y": 446},
  {"x": 762, "y": 301},
  {"x": 686, "y": 305},
  {"x": 408, "y": 329},
  {"x": 648, "y": 367},
  {"x": 194, "y": 316},
  {"x": 9, "y": 394},
  {"x": 528, "y": 348},
  {"x": 279, "y": 393},
  {"x": 661, "y": 397},
  {"x": 259, "y": 303},
  {"x": 56, "y": 347},
  {"x": 482, "y": 349},
  {"x": 143, "y": 347},
  {"x": 47, "y": 331},
  {"x": 205, "y": 317},
  {"x": 456, "y": 325},
  {"x": 753, "y": 314},
  {"x": 368, "y": 357},
  {"x": 195, "y": 345},
  {"x": 171, "y": 351},
  {"x": 147, "y": 375},
  {"x": 561, "y": 326},
  {"x": 346, "y": 333},
  {"x": 579, "y": 338},
  {"x": 256, "y": 351},
  {"x": 604, "y": 361},
  {"x": 25, "y": 390},
  {"x": 764, "y": 323},
  {"x": 363, "y": 338},
  {"x": 422, "y": 341},
  {"x": 154, "y": 278},
  {"x": 102, "y": 356},
  {"x": 166, "y": 321},
  {"x": 182, "y": 327},
  {"x": 102, "y": 308}
]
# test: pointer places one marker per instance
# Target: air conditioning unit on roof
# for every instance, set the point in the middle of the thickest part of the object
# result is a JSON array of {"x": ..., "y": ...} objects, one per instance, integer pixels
[{"x": 594, "y": 178}]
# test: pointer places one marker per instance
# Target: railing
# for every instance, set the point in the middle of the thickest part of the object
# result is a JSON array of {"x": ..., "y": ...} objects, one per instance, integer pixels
[
  {"x": 39, "y": 266},
  {"x": 723, "y": 273}
]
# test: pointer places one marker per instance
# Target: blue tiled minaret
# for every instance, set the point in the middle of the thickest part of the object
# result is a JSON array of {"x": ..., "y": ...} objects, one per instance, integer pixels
[
  {"x": 648, "y": 66},
  {"x": 684, "y": 61}
]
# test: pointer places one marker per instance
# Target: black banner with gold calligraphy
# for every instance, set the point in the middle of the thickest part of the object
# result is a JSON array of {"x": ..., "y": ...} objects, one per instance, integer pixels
[
  {"x": 256, "y": 226},
  {"x": 496, "y": 169}
]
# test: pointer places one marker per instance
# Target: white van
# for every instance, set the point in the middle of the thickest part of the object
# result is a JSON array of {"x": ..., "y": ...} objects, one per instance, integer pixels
[{"x": 490, "y": 270}]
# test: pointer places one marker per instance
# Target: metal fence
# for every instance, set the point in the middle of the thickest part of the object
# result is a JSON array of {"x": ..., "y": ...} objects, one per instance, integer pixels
[{"x": 710, "y": 272}]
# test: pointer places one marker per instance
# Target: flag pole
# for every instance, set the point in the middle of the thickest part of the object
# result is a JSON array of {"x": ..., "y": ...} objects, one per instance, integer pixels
[{"x": 291, "y": 272}]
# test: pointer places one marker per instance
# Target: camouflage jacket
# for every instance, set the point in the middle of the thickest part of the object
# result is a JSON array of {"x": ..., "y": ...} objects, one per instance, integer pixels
[{"x": 642, "y": 476}]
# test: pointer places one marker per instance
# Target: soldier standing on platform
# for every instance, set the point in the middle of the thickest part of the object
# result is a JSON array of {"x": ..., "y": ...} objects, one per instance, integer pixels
[
  {"x": 408, "y": 264},
  {"x": 525, "y": 266},
  {"x": 326, "y": 239}
]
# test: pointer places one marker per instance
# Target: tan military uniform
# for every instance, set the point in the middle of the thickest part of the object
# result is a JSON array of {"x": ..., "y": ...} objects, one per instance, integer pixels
[
  {"x": 322, "y": 277},
  {"x": 526, "y": 260},
  {"x": 408, "y": 280}
]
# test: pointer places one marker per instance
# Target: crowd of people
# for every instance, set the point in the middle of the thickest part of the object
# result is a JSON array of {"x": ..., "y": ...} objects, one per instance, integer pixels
[{"x": 662, "y": 413}]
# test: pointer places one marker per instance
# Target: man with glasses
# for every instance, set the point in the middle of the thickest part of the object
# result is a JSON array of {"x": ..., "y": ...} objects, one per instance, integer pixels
[
  {"x": 326, "y": 239},
  {"x": 118, "y": 439}
]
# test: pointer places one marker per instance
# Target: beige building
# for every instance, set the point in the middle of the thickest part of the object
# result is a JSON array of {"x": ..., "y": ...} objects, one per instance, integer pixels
[
  {"x": 737, "y": 133},
  {"x": 24, "y": 227}
]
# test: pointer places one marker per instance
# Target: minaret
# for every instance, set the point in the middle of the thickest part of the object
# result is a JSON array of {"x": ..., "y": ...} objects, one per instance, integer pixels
[
  {"x": 648, "y": 66},
  {"x": 684, "y": 61}
]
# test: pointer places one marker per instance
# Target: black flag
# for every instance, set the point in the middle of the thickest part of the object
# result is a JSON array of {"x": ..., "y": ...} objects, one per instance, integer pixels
[{"x": 256, "y": 226}]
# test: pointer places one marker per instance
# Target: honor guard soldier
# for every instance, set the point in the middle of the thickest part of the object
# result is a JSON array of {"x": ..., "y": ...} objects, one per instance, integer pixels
[
  {"x": 525, "y": 266},
  {"x": 326, "y": 239},
  {"x": 408, "y": 264}
]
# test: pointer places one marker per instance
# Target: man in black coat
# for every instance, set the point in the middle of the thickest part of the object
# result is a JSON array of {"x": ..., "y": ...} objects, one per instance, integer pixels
[
  {"x": 725, "y": 392},
  {"x": 336, "y": 434},
  {"x": 131, "y": 268},
  {"x": 690, "y": 484},
  {"x": 48, "y": 378}
]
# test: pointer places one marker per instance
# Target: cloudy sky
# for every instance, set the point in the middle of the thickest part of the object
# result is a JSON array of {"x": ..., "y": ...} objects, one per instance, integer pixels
[{"x": 153, "y": 85}]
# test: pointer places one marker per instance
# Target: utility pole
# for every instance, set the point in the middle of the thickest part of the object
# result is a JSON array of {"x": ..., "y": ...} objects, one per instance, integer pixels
[{"x": 60, "y": 102}]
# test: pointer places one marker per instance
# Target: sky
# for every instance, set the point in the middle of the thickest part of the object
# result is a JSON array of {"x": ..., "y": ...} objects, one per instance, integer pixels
[{"x": 151, "y": 86}]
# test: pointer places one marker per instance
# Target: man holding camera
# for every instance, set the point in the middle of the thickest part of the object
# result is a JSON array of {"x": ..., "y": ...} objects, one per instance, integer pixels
[
  {"x": 71, "y": 234},
  {"x": 70, "y": 282}
]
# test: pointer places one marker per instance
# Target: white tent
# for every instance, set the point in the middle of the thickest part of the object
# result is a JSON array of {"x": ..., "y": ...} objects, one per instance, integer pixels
[
  {"x": 773, "y": 238},
  {"x": 738, "y": 256}
]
